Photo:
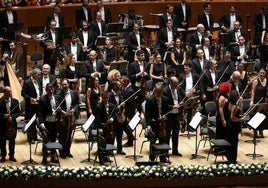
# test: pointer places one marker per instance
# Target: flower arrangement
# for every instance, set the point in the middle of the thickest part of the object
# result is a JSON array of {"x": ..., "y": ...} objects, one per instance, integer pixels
[{"x": 132, "y": 172}]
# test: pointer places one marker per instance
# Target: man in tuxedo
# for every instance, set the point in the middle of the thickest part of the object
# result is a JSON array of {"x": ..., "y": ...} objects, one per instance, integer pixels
[
  {"x": 226, "y": 66},
  {"x": 57, "y": 16},
  {"x": 207, "y": 48},
  {"x": 74, "y": 47},
  {"x": 87, "y": 38},
  {"x": 166, "y": 37},
  {"x": 46, "y": 78},
  {"x": 228, "y": 19},
  {"x": 48, "y": 120},
  {"x": 168, "y": 15},
  {"x": 234, "y": 34},
  {"x": 206, "y": 18},
  {"x": 31, "y": 92},
  {"x": 235, "y": 81},
  {"x": 9, "y": 111},
  {"x": 134, "y": 41},
  {"x": 8, "y": 16},
  {"x": 155, "y": 107},
  {"x": 69, "y": 111},
  {"x": 98, "y": 25},
  {"x": 195, "y": 38},
  {"x": 174, "y": 94},
  {"x": 199, "y": 64},
  {"x": 260, "y": 20},
  {"x": 241, "y": 52},
  {"x": 82, "y": 13},
  {"x": 51, "y": 45},
  {"x": 105, "y": 12},
  {"x": 184, "y": 13},
  {"x": 94, "y": 67}
]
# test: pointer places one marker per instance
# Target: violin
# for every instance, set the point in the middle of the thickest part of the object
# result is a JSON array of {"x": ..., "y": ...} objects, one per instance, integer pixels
[
  {"x": 120, "y": 117},
  {"x": 10, "y": 130},
  {"x": 162, "y": 129}
]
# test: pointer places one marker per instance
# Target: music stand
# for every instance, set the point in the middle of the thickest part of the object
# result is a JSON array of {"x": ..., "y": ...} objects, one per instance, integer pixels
[
  {"x": 189, "y": 105},
  {"x": 254, "y": 123},
  {"x": 132, "y": 125},
  {"x": 100, "y": 41},
  {"x": 35, "y": 29},
  {"x": 249, "y": 66},
  {"x": 113, "y": 28},
  {"x": 194, "y": 124},
  {"x": 25, "y": 129},
  {"x": 85, "y": 127},
  {"x": 119, "y": 65}
]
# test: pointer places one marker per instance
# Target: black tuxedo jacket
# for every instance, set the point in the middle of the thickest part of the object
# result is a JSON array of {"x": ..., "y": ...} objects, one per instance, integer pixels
[
  {"x": 164, "y": 18},
  {"x": 52, "y": 80},
  {"x": 225, "y": 20},
  {"x": 167, "y": 93},
  {"x": 14, "y": 114},
  {"x": 162, "y": 38},
  {"x": 74, "y": 103},
  {"x": 196, "y": 67},
  {"x": 134, "y": 68},
  {"x": 95, "y": 28},
  {"x": 257, "y": 21},
  {"x": 79, "y": 50},
  {"x": 235, "y": 53},
  {"x": 45, "y": 107},
  {"x": 240, "y": 87},
  {"x": 91, "y": 38},
  {"x": 101, "y": 116},
  {"x": 4, "y": 20},
  {"x": 107, "y": 14},
  {"x": 52, "y": 17},
  {"x": 182, "y": 78},
  {"x": 132, "y": 41},
  {"x": 232, "y": 36},
  {"x": 179, "y": 12},
  {"x": 206, "y": 82},
  {"x": 203, "y": 20},
  {"x": 80, "y": 16}
]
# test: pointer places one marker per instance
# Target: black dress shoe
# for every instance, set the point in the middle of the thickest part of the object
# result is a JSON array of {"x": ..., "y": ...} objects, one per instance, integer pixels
[
  {"x": 3, "y": 159},
  {"x": 128, "y": 144},
  {"x": 177, "y": 154},
  {"x": 63, "y": 156},
  {"x": 13, "y": 159},
  {"x": 54, "y": 160},
  {"x": 70, "y": 155},
  {"x": 121, "y": 152}
]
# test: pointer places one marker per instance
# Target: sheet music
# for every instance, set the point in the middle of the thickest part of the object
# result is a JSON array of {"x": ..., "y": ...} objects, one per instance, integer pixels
[
  {"x": 196, "y": 120},
  {"x": 256, "y": 120},
  {"x": 29, "y": 123},
  {"x": 88, "y": 123},
  {"x": 134, "y": 121}
]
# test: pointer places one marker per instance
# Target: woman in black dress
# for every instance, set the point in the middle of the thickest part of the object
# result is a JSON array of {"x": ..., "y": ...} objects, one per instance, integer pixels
[
  {"x": 259, "y": 93},
  {"x": 158, "y": 69},
  {"x": 233, "y": 126},
  {"x": 178, "y": 54},
  {"x": 263, "y": 50},
  {"x": 223, "y": 113},
  {"x": 93, "y": 95}
]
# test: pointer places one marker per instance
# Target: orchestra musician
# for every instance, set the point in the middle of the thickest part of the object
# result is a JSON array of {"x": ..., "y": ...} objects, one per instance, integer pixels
[
  {"x": 241, "y": 52},
  {"x": 158, "y": 69},
  {"x": 98, "y": 25},
  {"x": 184, "y": 12},
  {"x": 226, "y": 66},
  {"x": 155, "y": 108},
  {"x": 175, "y": 94},
  {"x": 199, "y": 64},
  {"x": 9, "y": 111},
  {"x": 93, "y": 96},
  {"x": 206, "y": 18},
  {"x": 74, "y": 47},
  {"x": 48, "y": 121},
  {"x": 57, "y": 16},
  {"x": 109, "y": 53},
  {"x": 168, "y": 15},
  {"x": 233, "y": 35},
  {"x": 82, "y": 13},
  {"x": 70, "y": 111},
  {"x": 105, "y": 11},
  {"x": 235, "y": 81},
  {"x": 47, "y": 78},
  {"x": 31, "y": 92}
]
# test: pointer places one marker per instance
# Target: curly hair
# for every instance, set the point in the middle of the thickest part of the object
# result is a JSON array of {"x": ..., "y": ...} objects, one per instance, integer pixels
[{"x": 224, "y": 88}]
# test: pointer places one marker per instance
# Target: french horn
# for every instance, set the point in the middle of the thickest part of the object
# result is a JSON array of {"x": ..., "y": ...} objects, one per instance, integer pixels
[{"x": 38, "y": 37}]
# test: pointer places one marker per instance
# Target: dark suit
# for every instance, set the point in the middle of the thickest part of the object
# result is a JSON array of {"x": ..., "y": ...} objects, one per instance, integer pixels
[
  {"x": 80, "y": 16},
  {"x": 88, "y": 70},
  {"x": 90, "y": 43},
  {"x": 179, "y": 12},
  {"x": 236, "y": 53},
  {"x": 79, "y": 50},
  {"x": 194, "y": 42},
  {"x": 52, "y": 17},
  {"x": 4, "y": 25},
  {"x": 162, "y": 38},
  {"x": 52, "y": 80},
  {"x": 132, "y": 43},
  {"x": 196, "y": 66},
  {"x": 14, "y": 113},
  {"x": 258, "y": 24},
  {"x": 50, "y": 56},
  {"x": 95, "y": 28},
  {"x": 107, "y": 14},
  {"x": 239, "y": 86},
  {"x": 225, "y": 20},
  {"x": 203, "y": 20},
  {"x": 164, "y": 18},
  {"x": 65, "y": 132},
  {"x": 231, "y": 38},
  {"x": 222, "y": 66},
  {"x": 173, "y": 124}
]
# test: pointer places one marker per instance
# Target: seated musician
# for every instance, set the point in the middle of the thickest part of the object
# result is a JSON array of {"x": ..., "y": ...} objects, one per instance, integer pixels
[{"x": 155, "y": 107}]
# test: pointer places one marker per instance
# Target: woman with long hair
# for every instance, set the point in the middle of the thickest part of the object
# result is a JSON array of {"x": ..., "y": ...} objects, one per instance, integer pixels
[{"x": 93, "y": 96}]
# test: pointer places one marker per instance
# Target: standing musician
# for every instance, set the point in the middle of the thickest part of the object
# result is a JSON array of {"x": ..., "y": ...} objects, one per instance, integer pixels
[
  {"x": 31, "y": 92},
  {"x": 226, "y": 66},
  {"x": 82, "y": 13},
  {"x": 48, "y": 120},
  {"x": 47, "y": 78},
  {"x": 188, "y": 80},
  {"x": 138, "y": 73},
  {"x": 74, "y": 47},
  {"x": 208, "y": 85},
  {"x": 235, "y": 81},
  {"x": 50, "y": 45},
  {"x": 175, "y": 94},
  {"x": 241, "y": 53},
  {"x": 199, "y": 64},
  {"x": 155, "y": 107},
  {"x": 69, "y": 107},
  {"x": 9, "y": 111}
]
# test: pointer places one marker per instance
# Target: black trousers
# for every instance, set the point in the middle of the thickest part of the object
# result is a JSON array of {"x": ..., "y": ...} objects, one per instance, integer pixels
[{"x": 11, "y": 145}]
